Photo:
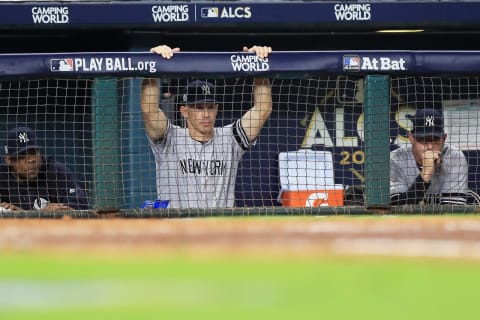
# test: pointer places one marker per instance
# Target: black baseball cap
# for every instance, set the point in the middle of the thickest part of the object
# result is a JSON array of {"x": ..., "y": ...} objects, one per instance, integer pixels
[
  {"x": 197, "y": 92},
  {"x": 427, "y": 123},
  {"x": 19, "y": 140}
]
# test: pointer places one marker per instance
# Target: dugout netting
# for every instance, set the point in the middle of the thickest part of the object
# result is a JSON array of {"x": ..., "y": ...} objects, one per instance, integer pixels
[{"x": 324, "y": 150}]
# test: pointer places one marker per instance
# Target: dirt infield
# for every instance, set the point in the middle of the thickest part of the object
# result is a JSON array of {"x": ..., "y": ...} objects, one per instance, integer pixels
[{"x": 428, "y": 236}]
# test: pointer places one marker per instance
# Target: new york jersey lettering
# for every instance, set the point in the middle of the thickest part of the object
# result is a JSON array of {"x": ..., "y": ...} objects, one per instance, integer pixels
[{"x": 202, "y": 167}]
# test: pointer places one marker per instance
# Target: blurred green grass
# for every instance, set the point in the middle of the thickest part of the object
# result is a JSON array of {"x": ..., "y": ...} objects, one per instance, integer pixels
[{"x": 116, "y": 286}]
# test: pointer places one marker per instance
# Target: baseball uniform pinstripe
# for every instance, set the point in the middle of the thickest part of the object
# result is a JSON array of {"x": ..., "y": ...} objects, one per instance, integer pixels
[{"x": 192, "y": 174}]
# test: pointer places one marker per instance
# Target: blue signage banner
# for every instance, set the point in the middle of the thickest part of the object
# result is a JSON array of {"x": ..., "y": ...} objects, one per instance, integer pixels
[
  {"x": 239, "y": 63},
  {"x": 180, "y": 14}
]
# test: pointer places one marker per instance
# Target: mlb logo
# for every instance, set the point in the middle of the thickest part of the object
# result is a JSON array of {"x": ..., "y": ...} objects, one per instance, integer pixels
[
  {"x": 351, "y": 63},
  {"x": 61, "y": 64},
  {"x": 211, "y": 12}
]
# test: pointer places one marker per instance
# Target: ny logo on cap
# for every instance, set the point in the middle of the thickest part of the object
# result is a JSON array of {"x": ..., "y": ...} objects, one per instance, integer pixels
[
  {"x": 206, "y": 89},
  {"x": 23, "y": 137},
  {"x": 429, "y": 121}
]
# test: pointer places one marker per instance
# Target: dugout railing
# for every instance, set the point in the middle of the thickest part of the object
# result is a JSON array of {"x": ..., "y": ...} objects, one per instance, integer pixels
[{"x": 383, "y": 85}]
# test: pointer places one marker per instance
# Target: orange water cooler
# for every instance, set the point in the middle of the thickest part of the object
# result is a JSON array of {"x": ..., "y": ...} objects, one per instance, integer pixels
[{"x": 307, "y": 179}]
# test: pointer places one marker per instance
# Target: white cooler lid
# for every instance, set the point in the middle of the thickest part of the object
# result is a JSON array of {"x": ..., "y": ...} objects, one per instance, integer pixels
[{"x": 306, "y": 170}]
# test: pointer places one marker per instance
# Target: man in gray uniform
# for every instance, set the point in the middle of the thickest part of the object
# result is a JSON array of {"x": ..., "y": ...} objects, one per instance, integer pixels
[
  {"x": 197, "y": 166},
  {"x": 428, "y": 171}
]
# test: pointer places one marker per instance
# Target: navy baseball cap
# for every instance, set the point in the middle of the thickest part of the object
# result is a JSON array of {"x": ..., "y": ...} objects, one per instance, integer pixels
[
  {"x": 19, "y": 140},
  {"x": 427, "y": 123},
  {"x": 197, "y": 92}
]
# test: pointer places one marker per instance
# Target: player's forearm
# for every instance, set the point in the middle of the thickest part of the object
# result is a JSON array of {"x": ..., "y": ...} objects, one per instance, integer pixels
[
  {"x": 431, "y": 160},
  {"x": 154, "y": 118},
  {"x": 262, "y": 97},
  {"x": 427, "y": 174},
  {"x": 254, "y": 119},
  {"x": 414, "y": 195}
]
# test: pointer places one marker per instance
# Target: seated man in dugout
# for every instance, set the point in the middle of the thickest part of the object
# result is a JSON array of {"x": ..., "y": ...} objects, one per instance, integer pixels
[
  {"x": 31, "y": 181},
  {"x": 427, "y": 171}
]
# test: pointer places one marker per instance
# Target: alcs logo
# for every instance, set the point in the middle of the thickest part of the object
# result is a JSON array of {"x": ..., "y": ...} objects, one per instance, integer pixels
[{"x": 226, "y": 12}]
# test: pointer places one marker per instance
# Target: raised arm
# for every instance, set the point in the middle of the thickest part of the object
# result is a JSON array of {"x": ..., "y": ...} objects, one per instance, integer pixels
[
  {"x": 154, "y": 118},
  {"x": 254, "y": 119}
]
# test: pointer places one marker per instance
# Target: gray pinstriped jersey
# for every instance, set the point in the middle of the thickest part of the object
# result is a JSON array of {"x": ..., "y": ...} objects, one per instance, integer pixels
[
  {"x": 451, "y": 177},
  {"x": 192, "y": 174}
]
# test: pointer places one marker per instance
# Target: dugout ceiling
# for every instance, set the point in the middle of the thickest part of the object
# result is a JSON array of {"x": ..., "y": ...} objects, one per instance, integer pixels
[{"x": 49, "y": 26}]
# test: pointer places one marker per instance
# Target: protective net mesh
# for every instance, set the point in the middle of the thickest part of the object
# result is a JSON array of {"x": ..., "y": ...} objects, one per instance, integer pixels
[{"x": 310, "y": 152}]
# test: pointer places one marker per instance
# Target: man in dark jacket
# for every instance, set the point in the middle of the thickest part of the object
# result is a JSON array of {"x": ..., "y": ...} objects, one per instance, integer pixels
[{"x": 30, "y": 181}]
